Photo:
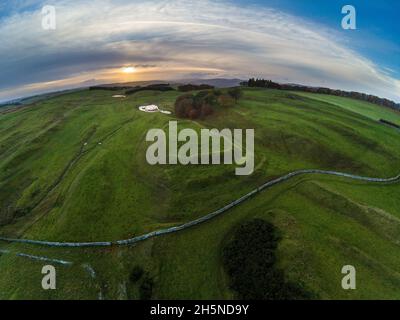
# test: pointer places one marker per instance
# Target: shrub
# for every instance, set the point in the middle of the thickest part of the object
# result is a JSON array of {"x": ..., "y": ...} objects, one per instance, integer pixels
[
  {"x": 206, "y": 110},
  {"x": 193, "y": 114},
  {"x": 226, "y": 101},
  {"x": 136, "y": 274},
  {"x": 183, "y": 105},
  {"x": 146, "y": 288},
  {"x": 217, "y": 92},
  {"x": 235, "y": 93},
  {"x": 211, "y": 98},
  {"x": 202, "y": 94}
]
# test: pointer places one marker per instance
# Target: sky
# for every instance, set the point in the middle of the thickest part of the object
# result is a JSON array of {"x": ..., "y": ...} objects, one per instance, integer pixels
[{"x": 107, "y": 41}]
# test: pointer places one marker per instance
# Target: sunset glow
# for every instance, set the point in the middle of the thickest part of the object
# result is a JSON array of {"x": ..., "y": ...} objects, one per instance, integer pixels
[
  {"x": 128, "y": 69},
  {"x": 133, "y": 42}
]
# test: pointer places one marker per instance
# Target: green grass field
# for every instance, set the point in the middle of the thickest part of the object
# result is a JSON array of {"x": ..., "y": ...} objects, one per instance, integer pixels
[
  {"x": 73, "y": 168},
  {"x": 361, "y": 107}
]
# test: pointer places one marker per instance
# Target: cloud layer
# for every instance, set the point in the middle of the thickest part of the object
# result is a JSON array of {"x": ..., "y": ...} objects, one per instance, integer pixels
[{"x": 175, "y": 39}]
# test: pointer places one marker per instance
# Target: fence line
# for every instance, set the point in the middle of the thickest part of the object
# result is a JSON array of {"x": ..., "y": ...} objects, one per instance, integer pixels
[{"x": 202, "y": 219}]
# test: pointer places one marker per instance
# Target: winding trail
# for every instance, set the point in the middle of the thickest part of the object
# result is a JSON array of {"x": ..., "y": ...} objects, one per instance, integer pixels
[{"x": 205, "y": 218}]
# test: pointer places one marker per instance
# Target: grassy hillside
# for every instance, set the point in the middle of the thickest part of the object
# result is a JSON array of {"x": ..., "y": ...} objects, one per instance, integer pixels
[
  {"x": 73, "y": 168},
  {"x": 363, "y": 108}
]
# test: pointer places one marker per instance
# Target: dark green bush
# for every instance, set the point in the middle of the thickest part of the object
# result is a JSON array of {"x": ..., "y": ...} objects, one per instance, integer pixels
[
  {"x": 136, "y": 274},
  {"x": 146, "y": 288},
  {"x": 250, "y": 261},
  {"x": 235, "y": 93}
]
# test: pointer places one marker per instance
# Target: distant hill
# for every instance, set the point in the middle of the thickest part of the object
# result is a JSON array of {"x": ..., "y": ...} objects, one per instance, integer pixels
[
  {"x": 217, "y": 82},
  {"x": 35, "y": 98}
]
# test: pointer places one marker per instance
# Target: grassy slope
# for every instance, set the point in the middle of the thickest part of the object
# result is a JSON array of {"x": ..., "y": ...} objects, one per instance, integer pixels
[
  {"x": 364, "y": 108},
  {"x": 109, "y": 194}
]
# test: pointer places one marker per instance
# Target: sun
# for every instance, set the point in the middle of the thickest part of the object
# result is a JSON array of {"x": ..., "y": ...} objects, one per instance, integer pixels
[{"x": 128, "y": 69}]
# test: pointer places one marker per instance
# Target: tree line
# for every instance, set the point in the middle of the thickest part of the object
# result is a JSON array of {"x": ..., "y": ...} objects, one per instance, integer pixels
[
  {"x": 152, "y": 87},
  {"x": 132, "y": 90}
]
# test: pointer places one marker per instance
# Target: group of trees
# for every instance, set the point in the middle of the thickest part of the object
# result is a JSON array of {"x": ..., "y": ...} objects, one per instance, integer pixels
[
  {"x": 262, "y": 83},
  {"x": 154, "y": 87},
  {"x": 204, "y": 103},
  {"x": 250, "y": 260},
  {"x": 195, "y": 106}
]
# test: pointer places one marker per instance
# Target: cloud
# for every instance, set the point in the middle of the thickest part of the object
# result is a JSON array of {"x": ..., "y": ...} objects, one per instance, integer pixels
[{"x": 175, "y": 39}]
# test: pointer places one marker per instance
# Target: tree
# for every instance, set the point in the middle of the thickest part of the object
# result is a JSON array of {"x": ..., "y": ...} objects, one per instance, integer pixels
[
  {"x": 226, "y": 101},
  {"x": 250, "y": 261},
  {"x": 183, "y": 105},
  {"x": 193, "y": 114},
  {"x": 235, "y": 93},
  {"x": 206, "y": 110}
]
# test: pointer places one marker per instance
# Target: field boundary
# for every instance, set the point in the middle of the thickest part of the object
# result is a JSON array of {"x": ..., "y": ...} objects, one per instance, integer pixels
[{"x": 203, "y": 219}]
